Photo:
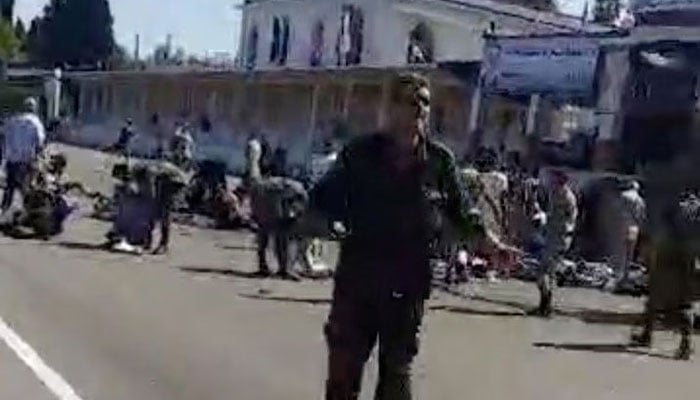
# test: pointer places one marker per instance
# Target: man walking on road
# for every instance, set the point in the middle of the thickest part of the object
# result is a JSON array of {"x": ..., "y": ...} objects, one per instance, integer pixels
[
  {"x": 23, "y": 142},
  {"x": 562, "y": 212},
  {"x": 629, "y": 219},
  {"x": 391, "y": 190}
]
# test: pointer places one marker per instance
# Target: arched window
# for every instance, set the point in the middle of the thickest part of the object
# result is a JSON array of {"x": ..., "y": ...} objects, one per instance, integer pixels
[
  {"x": 316, "y": 57},
  {"x": 284, "y": 50},
  {"x": 252, "y": 50},
  {"x": 279, "y": 47},
  {"x": 420, "y": 45},
  {"x": 275, "y": 45},
  {"x": 350, "y": 37}
]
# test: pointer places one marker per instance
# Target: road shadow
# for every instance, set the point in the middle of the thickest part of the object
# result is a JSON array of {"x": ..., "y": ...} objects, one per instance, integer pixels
[
  {"x": 318, "y": 277},
  {"x": 236, "y": 247},
  {"x": 588, "y": 316},
  {"x": 602, "y": 317},
  {"x": 81, "y": 246},
  {"x": 221, "y": 272},
  {"x": 603, "y": 348},
  {"x": 475, "y": 311},
  {"x": 287, "y": 299},
  {"x": 522, "y": 307}
]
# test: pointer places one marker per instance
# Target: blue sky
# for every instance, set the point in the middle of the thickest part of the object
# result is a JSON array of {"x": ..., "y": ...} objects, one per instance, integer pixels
[{"x": 197, "y": 25}]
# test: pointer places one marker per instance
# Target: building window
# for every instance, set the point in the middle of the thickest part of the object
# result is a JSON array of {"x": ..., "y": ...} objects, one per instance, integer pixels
[
  {"x": 420, "y": 45},
  {"x": 350, "y": 36},
  {"x": 279, "y": 48},
  {"x": 285, "y": 41},
  {"x": 275, "y": 46},
  {"x": 252, "y": 50},
  {"x": 316, "y": 57}
]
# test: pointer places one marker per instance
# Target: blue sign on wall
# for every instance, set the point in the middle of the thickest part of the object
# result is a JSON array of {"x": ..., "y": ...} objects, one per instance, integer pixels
[{"x": 557, "y": 65}]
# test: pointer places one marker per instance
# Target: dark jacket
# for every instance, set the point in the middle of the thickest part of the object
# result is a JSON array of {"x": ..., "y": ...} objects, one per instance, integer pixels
[{"x": 391, "y": 215}]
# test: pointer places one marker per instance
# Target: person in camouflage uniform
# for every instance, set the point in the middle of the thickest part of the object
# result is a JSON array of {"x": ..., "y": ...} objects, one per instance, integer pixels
[
  {"x": 562, "y": 213},
  {"x": 277, "y": 203},
  {"x": 673, "y": 223},
  {"x": 391, "y": 191},
  {"x": 169, "y": 180}
]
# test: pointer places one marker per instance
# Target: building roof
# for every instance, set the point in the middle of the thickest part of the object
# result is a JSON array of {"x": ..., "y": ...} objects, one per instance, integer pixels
[{"x": 547, "y": 19}]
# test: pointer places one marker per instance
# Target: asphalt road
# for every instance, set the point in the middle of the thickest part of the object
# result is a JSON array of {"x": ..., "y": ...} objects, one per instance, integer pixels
[{"x": 194, "y": 325}]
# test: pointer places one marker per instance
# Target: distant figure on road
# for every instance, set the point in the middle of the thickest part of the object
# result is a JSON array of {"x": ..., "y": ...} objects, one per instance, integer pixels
[
  {"x": 278, "y": 162},
  {"x": 121, "y": 146},
  {"x": 24, "y": 139},
  {"x": 159, "y": 135},
  {"x": 182, "y": 147},
  {"x": 624, "y": 228},
  {"x": 391, "y": 191}
]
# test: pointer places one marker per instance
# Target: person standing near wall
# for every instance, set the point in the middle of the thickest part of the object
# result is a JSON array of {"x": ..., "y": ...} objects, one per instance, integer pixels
[
  {"x": 623, "y": 228},
  {"x": 182, "y": 147},
  {"x": 159, "y": 135},
  {"x": 24, "y": 139}
]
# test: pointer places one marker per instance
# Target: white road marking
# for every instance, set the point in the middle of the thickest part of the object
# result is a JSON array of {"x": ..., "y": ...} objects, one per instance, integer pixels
[{"x": 53, "y": 381}]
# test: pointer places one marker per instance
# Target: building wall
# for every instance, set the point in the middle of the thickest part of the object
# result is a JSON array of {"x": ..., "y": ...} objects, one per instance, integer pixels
[
  {"x": 457, "y": 29},
  {"x": 281, "y": 111},
  {"x": 303, "y": 15}
]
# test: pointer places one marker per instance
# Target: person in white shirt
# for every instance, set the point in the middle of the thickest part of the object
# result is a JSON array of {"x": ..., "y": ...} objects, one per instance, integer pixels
[
  {"x": 182, "y": 147},
  {"x": 23, "y": 142}
]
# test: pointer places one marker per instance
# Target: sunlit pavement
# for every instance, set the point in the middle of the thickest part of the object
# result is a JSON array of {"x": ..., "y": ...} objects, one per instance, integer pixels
[{"x": 194, "y": 325}]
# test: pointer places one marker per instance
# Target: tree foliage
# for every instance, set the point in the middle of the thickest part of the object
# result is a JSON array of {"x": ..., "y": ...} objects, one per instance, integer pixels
[
  {"x": 20, "y": 30},
  {"x": 21, "y": 35},
  {"x": 72, "y": 32},
  {"x": 8, "y": 41},
  {"x": 606, "y": 11},
  {"x": 163, "y": 55}
]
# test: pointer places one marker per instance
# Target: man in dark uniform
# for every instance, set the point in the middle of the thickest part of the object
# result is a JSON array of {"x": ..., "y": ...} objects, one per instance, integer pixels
[
  {"x": 390, "y": 190},
  {"x": 672, "y": 185}
]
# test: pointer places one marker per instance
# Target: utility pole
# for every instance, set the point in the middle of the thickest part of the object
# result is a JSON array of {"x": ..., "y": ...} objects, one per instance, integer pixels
[
  {"x": 168, "y": 46},
  {"x": 137, "y": 47}
]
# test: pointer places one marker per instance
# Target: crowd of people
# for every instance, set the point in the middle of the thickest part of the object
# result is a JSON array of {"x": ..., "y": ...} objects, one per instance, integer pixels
[{"x": 385, "y": 196}]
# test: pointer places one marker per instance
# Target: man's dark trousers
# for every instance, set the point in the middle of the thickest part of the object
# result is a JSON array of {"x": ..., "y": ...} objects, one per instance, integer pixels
[
  {"x": 360, "y": 318},
  {"x": 17, "y": 178}
]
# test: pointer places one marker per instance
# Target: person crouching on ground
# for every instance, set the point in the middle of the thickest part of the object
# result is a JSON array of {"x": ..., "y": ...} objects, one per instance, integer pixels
[
  {"x": 44, "y": 211},
  {"x": 143, "y": 199},
  {"x": 134, "y": 201}
]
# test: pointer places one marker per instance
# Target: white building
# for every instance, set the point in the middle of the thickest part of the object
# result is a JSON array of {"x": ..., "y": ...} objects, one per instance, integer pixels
[
  {"x": 300, "y": 34},
  {"x": 318, "y": 67}
]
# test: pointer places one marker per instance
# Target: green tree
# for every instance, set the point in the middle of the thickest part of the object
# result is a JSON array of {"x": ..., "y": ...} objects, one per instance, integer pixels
[
  {"x": 73, "y": 32},
  {"x": 8, "y": 41},
  {"x": 121, "y": 59},
  {"x": 20, "y": 30},
  {"x": 606, "y": 11},
  {"x": 21, "y": 35},
  {"x": 32, "y": 40}
]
